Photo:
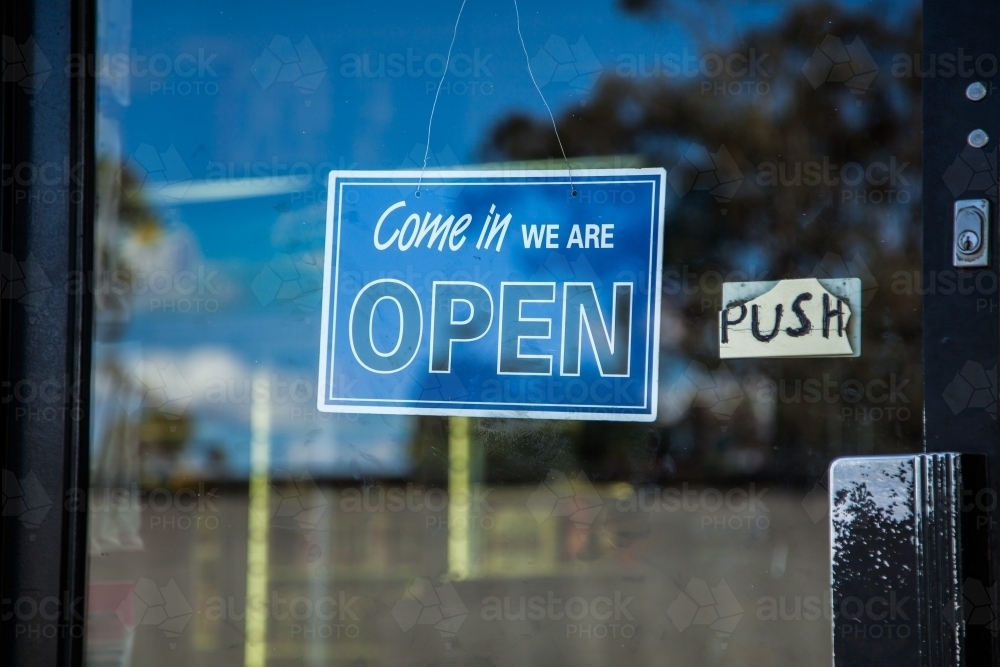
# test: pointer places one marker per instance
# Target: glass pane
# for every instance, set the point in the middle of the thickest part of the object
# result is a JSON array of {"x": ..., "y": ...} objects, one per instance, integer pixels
[{"x": 231, "y": 523}]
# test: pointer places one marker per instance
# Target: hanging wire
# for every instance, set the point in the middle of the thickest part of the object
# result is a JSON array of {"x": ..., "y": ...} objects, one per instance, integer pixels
[
  {"x": 551, "y": 117},
  {"x": 430, "y": 122},
  {"x": 527, "y": 58}
]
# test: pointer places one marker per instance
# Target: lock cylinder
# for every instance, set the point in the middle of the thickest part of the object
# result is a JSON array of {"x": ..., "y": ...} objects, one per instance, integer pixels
[{"x": 971, "y": 242}]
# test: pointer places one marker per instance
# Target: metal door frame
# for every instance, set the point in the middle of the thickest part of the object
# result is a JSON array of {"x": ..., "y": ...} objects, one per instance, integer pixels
[
  {"x": 46, "y": 233},
  {"x": 48, "y": 337},
  {"x": 961, "y": 326}
]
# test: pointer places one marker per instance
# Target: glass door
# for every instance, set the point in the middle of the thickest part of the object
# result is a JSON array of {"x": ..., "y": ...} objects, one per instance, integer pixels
[{"x": 231, "y": 522}]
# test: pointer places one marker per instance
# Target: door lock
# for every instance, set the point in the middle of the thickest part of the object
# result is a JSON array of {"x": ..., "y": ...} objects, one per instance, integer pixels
[{"x": 971, "y": 246}]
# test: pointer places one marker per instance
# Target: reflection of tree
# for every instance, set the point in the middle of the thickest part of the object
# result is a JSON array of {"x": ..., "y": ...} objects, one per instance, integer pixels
[
  {"x": 772, "y": 228},
  {"x": 130, "y": 445},
  {"x": 122, "y": 220},
  {"x": 869, "y": 570},
  {"x": 875, "y": 536}
]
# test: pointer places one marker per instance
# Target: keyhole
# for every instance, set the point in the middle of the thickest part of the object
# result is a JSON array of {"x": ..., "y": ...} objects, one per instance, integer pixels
[{"x": 968, "y": 241}]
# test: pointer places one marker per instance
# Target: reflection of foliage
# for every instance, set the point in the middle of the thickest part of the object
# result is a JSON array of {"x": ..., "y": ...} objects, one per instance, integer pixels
[
  {"x": 874, "y": 560},
  {"x": 164, "y": 434},
  {"x": 133, "y": 210},
  {"x": 143, "y": 445},
  {"x": 430, "y": 451},
  {"x": 122, "y": 219},
  {"x": 516, "y": 449},
  {"x": 875, "y": 536},
  {"x": 771, "y": 230},
  {"x": 639, "y": 6}
]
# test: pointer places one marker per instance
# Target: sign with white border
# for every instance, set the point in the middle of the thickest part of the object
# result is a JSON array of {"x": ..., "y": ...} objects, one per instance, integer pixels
[{"x": 493, "y": 293}]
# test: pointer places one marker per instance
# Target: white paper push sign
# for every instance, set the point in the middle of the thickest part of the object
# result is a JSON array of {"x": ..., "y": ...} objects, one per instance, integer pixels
[
  {"x": 808, "y": 317},
  {"x": 493, "y": 293}
]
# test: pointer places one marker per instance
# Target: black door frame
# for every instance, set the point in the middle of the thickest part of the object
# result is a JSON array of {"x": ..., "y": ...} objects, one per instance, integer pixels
[
  {"x": 46, "y": 230},
  {"x": 961, "y": 326},
  {"x": 46, "y": 236}
]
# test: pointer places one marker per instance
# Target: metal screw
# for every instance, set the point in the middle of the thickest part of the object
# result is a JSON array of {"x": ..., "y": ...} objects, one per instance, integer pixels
[
  {"x": 976, "y": 91},
  {"x": 968, "y": 242},
  {"x": 978, "y": 138}
]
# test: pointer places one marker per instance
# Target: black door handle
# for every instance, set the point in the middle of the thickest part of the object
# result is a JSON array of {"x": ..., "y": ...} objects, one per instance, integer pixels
[{"x": 909, "y": 561}]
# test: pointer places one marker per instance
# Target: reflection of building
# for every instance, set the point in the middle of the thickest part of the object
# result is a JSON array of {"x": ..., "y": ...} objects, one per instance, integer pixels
[{"x": 371, "y": 543}]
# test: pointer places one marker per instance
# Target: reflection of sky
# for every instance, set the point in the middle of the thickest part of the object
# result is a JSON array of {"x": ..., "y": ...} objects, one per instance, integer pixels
[
  {"x": 353, "y": 121},
  {"x": 373, "y": 122},
  {"x": 386, "y": 115},
  {"x": 232, "y": 126}
]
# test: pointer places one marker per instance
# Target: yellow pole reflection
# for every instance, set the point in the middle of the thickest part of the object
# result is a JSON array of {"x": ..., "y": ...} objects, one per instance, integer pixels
[
  {"x": 255, "y": 642},
  {"x": 459, "y": 497}
]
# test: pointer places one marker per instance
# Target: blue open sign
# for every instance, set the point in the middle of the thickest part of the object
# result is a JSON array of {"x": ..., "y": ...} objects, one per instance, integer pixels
[{"x": 493, "y": 293}]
